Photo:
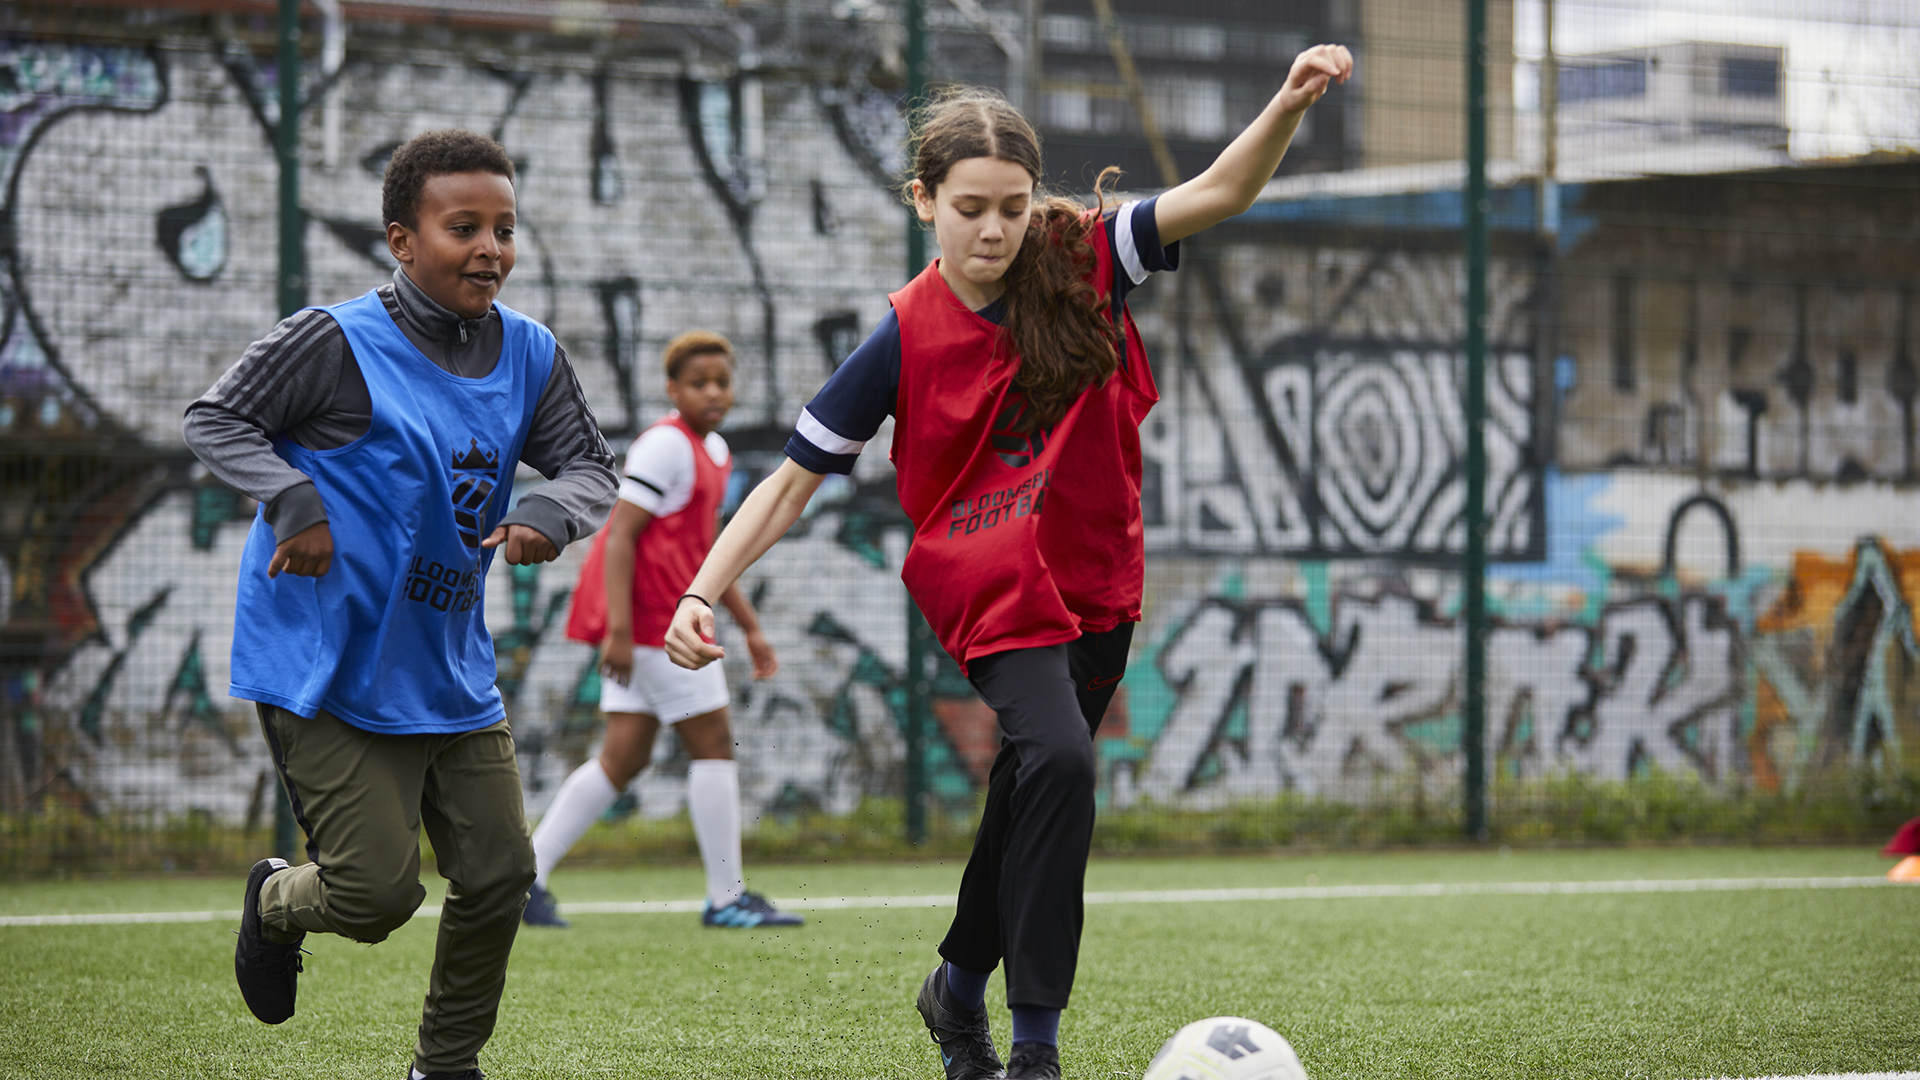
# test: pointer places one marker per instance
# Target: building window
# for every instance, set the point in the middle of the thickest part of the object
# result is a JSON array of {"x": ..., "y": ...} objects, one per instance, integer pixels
[
  {"x": 1193, "y": 108},
  {"x": 1751, "y": 77},
  {"x": 1199, "y": 41},
  {"x": 1601, "y": 80},
  {"x": 1069, "y": 32},
  {"x": 1067, "y": 110}
]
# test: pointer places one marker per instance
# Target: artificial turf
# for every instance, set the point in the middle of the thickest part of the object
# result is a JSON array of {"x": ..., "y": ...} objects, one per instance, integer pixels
[{"x": 1662, "y": 985}]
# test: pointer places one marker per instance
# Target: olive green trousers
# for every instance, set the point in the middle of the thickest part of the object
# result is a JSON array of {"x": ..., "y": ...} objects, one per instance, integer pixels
[{"x": 362, "y": 799}]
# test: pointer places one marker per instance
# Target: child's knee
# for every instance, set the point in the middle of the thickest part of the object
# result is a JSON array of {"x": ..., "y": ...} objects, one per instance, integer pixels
[
  {"x": 518, "y": 874},
  {"x": 497, "y": 886},
  {"x": 621, "y": 768},
  {"x": 1069, "y": 764},
  {"x": 369, "y": 912}
]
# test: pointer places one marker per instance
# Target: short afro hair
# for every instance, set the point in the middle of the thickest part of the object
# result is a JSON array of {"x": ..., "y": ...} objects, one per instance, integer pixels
[
  {"x": 435, "y": 153},
  {"x": 691, "y": 344}
]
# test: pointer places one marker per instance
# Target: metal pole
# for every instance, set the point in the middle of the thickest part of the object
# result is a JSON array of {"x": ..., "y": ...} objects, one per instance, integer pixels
[
  {"x": 920, "y": 648},
  {"x": 1549, "y": 211},
  {"x": 292, "y": 278},
  {"x": 916, "y": 98},
  {"x": 286, "y": 141},
  {"x": 919, "y": 682},
  {"x": 1474, "y": 572},
  {"x": 1031, "y": 11}
]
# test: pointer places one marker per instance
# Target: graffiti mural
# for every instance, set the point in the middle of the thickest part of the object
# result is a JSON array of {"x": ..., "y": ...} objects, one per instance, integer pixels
[
  {"x": 1292, "y": 424},
  {"x": 1726, "y": 676},
  {"x": 46, "y": 84},
  {"x": 127, "y": 594},
  {"x": 1836, "y": 665},
  {"x": 1700, "y": 489}
]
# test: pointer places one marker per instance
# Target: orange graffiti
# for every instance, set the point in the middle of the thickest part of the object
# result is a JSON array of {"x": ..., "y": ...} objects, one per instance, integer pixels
[
  {"x": 1833, "y": 659},
  {"x": 1818, "y": 584}
]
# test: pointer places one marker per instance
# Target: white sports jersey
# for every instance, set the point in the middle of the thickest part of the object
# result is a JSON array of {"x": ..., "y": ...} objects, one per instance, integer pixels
[{"x": 659, "y": 474}]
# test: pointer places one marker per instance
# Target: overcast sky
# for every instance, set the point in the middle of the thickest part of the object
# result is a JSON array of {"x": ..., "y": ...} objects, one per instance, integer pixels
[{"x": 1853, "y": 66}]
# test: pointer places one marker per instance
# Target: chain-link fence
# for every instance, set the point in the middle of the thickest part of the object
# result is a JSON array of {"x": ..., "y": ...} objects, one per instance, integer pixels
[{"x": 1701, "y": 448}]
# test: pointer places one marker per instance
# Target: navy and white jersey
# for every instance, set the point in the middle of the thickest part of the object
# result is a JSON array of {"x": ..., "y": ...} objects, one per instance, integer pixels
[{"x": 860, "y": 395}]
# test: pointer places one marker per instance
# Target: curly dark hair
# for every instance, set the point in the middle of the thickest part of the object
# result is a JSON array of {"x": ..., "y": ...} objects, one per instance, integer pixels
[{"x": 434, "y": 153}]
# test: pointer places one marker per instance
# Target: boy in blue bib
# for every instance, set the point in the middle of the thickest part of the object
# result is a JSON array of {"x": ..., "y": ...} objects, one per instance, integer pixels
[{"x": 381, "y": 438}]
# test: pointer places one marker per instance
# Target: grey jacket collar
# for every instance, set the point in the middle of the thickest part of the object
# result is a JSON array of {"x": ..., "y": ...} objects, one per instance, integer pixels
[{"x": 429, "y": 318}]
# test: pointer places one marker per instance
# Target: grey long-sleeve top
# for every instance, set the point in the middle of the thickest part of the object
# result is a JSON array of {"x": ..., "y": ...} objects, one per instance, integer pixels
[{"x": 302, "y": 381}]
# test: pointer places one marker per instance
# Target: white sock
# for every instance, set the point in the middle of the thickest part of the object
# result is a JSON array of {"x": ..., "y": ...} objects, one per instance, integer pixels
[
  {"x": 582, "y": 798},
  {"x": 713, "y": 801}
]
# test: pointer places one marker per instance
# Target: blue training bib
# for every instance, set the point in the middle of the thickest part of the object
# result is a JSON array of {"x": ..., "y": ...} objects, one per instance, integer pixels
[{"x": 394, "y": 638}]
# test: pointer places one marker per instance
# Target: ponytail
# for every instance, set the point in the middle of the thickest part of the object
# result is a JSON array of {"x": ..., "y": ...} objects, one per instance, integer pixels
[{"x": 1061, "y": 326}]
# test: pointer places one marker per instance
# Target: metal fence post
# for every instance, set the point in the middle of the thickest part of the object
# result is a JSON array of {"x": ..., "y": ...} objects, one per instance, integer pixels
[
  {"x": 292, "y": 279},
  {"x": 919, "y": 684},
  {"x": 919, "y": 720},
  {"x": 1474, "y": 572}
]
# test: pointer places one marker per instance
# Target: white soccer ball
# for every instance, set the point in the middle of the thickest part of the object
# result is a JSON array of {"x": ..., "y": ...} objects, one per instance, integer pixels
[{"x": 1226, "y": 1048}]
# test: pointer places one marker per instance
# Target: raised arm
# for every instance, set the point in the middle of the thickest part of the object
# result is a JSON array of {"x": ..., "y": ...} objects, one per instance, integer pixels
[
  {"x": 1236, "y": 177},
  {"x": 769, "y": 511}
]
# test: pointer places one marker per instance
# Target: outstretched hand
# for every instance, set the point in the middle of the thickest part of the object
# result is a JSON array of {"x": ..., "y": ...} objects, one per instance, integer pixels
[
  {"x": 523, "y": 545},
  {"x": 1313, "y": 72},
  {"x": 690, "y": 635}
]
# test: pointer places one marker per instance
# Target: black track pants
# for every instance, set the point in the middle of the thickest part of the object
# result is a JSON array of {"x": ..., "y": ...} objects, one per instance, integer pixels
[{"x": 1020, "y": 898}]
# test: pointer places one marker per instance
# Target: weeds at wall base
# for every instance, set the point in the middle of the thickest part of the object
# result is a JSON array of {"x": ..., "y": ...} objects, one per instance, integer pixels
[{"x": 1860, "y": 807}]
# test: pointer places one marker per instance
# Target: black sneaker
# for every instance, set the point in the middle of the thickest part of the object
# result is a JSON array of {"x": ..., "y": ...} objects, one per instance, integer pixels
[
  {"x": 542, "y": 909},
  {"x": 470, "y": 1074},
  {"x": 1034, "y": 1061},
  {"x": 267, "y": 971},
  {"x": 966, "y": 1047}
]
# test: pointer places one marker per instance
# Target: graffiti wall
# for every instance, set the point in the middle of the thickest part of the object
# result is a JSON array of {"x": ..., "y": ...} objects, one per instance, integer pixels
[
  {"x": 1642, "y": 642},
  {"x": 140, "y": 261},
  {"x": 1703, "y": 525}
]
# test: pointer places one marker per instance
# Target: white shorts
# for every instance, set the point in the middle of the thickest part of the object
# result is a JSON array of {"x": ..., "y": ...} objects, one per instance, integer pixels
[{"x": 663, "y": 689}]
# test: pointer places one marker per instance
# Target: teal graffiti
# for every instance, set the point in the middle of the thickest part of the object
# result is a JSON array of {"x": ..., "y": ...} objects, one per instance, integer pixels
[
  {"x": 190, "y": 683},
  {"x": 214, "y": 505},
  {"x": 947, "y": 776},
  {"x": 513, "y": 647},
  {"x": 94, "y": 710}
]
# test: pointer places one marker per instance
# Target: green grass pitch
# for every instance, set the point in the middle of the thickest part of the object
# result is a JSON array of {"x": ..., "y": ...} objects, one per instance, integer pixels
[{"x": 1667, "y": 986}]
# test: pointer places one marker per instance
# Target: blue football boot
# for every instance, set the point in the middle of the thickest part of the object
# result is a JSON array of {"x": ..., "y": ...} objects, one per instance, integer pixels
[
  {"x": 542, "y": 909},
  {"x": 748, "y": 910}
]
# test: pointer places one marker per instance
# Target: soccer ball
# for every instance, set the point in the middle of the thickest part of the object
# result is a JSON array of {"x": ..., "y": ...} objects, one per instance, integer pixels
[{"x": 1226, "y": 1048}]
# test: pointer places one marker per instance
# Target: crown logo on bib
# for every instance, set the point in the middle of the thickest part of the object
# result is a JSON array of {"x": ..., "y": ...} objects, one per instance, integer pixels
[{"x": 476, "y": 459}]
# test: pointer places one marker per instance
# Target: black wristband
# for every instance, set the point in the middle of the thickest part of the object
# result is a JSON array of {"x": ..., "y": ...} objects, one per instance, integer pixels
[{"x": 695, "y": 596}]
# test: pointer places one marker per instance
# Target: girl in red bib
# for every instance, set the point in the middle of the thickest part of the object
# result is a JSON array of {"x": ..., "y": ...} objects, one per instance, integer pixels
[
  {"x": 1017, "y": 385},
  {"x": 662, "y": 526}
]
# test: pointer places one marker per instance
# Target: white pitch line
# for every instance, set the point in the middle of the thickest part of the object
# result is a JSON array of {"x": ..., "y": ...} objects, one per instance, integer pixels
[{"x": 1173, "y": 896}]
